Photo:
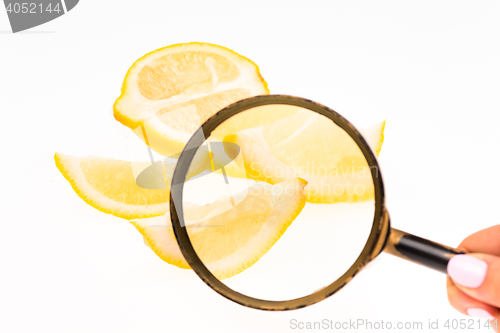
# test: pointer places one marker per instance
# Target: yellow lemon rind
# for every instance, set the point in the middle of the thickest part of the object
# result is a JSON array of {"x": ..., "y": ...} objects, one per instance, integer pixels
[
  {"x": 224, "y": 268},
  {"x": 129, "y": 80},
  {"x": 70, "y": 168}
]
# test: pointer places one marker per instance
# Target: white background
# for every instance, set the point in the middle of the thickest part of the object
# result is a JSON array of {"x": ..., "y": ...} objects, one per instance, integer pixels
[{"x": 430, "y": 67}]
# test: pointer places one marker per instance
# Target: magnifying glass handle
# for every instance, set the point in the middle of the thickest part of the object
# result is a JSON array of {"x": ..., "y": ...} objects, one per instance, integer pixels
[{"x": 420, "y": 250}]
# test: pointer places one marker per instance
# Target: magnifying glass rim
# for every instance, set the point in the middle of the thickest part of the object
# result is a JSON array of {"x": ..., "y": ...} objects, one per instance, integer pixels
[{"x": 179, "y": 177}]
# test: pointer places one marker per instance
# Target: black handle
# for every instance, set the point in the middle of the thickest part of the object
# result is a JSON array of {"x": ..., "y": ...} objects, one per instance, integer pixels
[{"x": 420, "y": 250}]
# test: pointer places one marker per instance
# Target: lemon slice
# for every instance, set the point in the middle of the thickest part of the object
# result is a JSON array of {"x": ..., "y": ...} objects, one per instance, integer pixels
[
  {"x": 111, "y": 186},
  {"x": 229, "y": 240},
  {"x": 168, "y": 93},
  {"x": 320, "y": 154}
]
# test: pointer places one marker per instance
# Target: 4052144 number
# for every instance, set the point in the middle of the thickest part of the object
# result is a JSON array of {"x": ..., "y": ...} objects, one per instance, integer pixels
[{"x": 32, "y": 8}]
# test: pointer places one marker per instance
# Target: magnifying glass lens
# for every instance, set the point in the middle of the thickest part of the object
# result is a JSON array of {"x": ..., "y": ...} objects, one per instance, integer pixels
[{"x": 285, "y": 206}]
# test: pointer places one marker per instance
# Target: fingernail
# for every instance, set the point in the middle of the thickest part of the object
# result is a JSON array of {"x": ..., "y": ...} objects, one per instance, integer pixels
[
  {"x": 467, "y": 271},
  {"x": 479, "y": 313}
]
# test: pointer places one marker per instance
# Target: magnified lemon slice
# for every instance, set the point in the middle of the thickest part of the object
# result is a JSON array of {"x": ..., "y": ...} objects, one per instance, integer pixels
[
  {"x": 229, "y": 239},
  {"x": 168, "y": 93},
  {"x": 308, "y": 146},
  {"x": 125, "y": 189}
]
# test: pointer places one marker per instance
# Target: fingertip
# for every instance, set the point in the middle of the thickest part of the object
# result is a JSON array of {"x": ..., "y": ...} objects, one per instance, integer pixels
[
  {"x": 467, "y": 271},
  {"x": 480, "y": 313}
]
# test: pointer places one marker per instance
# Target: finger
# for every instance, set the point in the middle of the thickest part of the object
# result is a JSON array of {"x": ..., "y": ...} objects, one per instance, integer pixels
[
  {"x": 484, "y": 241},
  {"x": 477, "y": 275},
  {"x": 468, "y": 305}
]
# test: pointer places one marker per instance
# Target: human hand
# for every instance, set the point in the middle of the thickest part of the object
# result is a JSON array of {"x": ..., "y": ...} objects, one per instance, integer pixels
[{"x": 473, "y": 281}]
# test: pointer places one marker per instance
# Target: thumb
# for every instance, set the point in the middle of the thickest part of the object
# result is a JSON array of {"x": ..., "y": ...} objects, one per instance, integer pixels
[{"x": 477, "y": 275}]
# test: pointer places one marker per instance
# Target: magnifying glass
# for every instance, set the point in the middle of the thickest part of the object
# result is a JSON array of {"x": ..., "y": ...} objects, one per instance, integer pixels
[{"x": 291, "y": 207}]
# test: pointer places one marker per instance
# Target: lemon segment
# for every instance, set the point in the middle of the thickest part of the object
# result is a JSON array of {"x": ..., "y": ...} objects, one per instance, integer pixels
[
  {"x": 308, "y": 146},
  {"x": 229, "y": 239},
  {"x": 375, "y": 136},
  {"x": 168, "y": 93},
  {"x": 110, "y": 185}
]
